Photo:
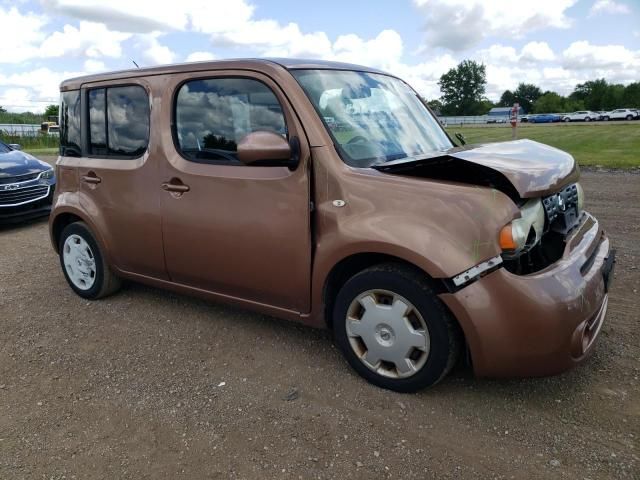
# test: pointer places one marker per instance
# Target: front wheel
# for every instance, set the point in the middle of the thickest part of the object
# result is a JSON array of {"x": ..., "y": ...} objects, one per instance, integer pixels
[
  {"x": 606, "y": 119},
  {"x": 393, "y": 330},
  {"x": 567, "y": 120},
  {"x": 587, "y": 119},
  {"x": 83, "y": 263}
]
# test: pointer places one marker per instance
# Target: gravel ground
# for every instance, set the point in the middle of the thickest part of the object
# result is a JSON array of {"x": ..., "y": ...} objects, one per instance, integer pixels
[{"x": 149, "y": 384}]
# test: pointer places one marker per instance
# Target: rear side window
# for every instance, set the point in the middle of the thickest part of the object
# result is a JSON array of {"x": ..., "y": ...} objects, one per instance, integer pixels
[
  {"x": 118, "y": 121},
  {"x": 213, "y": 115},
  {"x": 70, "y": 124}
]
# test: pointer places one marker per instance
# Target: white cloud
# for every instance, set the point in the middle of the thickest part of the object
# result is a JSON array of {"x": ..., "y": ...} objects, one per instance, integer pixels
[
  {"x": 498, "y": 54},
  {"x": 21, "y": 35},
  {"x": 207, "y": 16},
  {"x": 94, "y": 66},
  {"x": 89, "y": 39},
  {"x": 200, "y": 57},
  {"x": 17, "y": 100},
  {"x": 608, "y": 6},
  {"x": 385, "y": 49},
  {"x": 460, "y": 24},
  {"x": 537, "y": 52},
  {"x": 34, "y": 89},
  {"x": 583, "y": 55},
  {"x": 42, "y": 81},
  {"x": 154, "y": 52},
  {"x": 532, "y": 52}
]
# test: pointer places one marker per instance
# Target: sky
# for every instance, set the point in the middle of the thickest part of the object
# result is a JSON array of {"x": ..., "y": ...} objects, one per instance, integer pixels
[{"x": 555, "y": 44}]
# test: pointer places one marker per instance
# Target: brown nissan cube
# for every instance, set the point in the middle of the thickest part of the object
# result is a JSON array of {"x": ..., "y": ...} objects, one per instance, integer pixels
[{"x": 329, "y": 194}]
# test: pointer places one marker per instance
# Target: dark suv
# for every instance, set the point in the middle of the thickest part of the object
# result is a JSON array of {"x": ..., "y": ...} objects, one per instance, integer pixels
[{"x": 26, "y": 185}]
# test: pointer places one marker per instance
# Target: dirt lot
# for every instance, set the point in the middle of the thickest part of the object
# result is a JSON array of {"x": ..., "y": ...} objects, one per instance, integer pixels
[{"x": 148, "y": 384}]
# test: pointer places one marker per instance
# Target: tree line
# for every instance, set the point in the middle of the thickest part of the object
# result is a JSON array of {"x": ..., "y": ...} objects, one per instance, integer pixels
[
  {"x": 463, "y": 93},
  {"x": 27, "y": 117}
]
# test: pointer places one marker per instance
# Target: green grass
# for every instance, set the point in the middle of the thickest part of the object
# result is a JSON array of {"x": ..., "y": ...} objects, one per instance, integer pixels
[
  {"x": 41, "y": 151},
  {"x": 608, "y": 145},
  {"x": 35, "y": 143}
]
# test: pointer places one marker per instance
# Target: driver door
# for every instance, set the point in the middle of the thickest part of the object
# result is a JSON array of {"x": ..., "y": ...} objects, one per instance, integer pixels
[{"x": 239, "y": 231}]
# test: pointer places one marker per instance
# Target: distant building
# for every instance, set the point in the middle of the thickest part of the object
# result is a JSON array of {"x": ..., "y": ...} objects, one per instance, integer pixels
[{"x": 503, "y": 111}]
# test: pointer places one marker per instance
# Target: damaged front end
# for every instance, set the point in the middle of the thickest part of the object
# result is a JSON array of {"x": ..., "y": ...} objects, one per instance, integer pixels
[
  {"x": 537, "y": 239},
  {"x": 540, "y": 180}
]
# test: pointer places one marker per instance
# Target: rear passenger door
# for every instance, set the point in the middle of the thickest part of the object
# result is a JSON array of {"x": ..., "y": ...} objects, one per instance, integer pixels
[
  {"x": 236, "y": 230},
  {"x": 118, "y": 175}
]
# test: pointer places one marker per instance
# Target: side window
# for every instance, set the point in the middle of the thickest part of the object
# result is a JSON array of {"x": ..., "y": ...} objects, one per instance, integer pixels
[
  {"x": 213, "y": 115},
  {"x": 70, "y": 124},
  {"x": 119, "y": 121},
  {"x": 97, "y": 123}
]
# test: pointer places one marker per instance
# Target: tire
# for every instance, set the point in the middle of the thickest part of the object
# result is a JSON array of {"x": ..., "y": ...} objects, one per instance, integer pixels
[
  {"x": 567, "y": 120},
  {"x": 587, "y": 119},
  {"x": 606, "y": 119},
  {"x": 83, "y": 263},
  {"x": 385, "y": 334},
  {"x": 629, "y": 117}
]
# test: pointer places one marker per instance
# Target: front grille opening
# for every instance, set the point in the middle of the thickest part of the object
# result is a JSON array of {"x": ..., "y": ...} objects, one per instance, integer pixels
[{"x": 548, "y": 251}]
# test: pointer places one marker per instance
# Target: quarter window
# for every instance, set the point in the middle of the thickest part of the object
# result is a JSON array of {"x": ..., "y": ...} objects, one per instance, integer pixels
[
  {"x": 118, "y": 121},
  {"x": 213, "y": 115},
  {"x": 70, "y": 124}
]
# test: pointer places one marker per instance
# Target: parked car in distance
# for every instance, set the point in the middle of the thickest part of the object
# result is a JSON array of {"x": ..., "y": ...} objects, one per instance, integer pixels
[
  {"x": 544, "y": 118},
  {"x": 621, "y": 114},
  {"x": 524, "y": 118},
  {"x": 581, "y": 116},
  {"x": 328, "y": 193},
  {"x": 26, "y": 185},
  {"x": 497, "y": 119}
]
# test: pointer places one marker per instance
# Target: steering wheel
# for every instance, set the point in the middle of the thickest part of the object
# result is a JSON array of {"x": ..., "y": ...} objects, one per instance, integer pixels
[{"x": 358, "y": 139}]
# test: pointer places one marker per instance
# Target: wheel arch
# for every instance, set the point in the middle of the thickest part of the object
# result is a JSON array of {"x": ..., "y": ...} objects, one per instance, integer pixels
[
  {"x": 62, "y": 218},
  {"x": 350, "y": 265},
  {"x": 58, "y": 224}
]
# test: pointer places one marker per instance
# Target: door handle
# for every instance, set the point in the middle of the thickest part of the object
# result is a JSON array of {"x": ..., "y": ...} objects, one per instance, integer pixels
[
  {"x": 174, "y": 186},
  {"x": 91, "y": 178}
]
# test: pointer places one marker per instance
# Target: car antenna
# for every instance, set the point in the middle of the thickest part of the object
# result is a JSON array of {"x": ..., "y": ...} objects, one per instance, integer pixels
[{"x": 134, "y": 62}]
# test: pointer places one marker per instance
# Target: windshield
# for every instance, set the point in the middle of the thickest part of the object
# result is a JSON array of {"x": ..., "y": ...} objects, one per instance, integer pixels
[
  {"x": 373, "y": 118},
  {"x": 4, "y": 148}
]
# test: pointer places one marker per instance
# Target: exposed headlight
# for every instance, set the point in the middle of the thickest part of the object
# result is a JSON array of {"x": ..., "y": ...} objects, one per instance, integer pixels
[
  {"x": 513, "y": 236},
  {"x": 580, "y": 197},
  {"x": 46, "y": 175}
]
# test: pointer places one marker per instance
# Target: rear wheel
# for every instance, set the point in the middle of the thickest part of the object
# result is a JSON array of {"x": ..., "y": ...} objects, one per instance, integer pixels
[
  {"x": 587, "y": 119},
  {"x": 606, "y": 119},
  {"x": 393, "y": 330},
  {"x": 83, "y": 263},
  {"x": 567, "y": 119},
  {"x": 629, "y": 117}
]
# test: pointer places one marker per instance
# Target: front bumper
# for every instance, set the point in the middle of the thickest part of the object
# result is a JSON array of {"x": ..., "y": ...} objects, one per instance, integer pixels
[{"x": 542, "y": 323}]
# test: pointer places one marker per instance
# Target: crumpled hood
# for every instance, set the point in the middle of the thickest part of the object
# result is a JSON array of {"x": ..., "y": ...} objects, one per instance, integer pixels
[
  {"x": 532, "y": 168},
  {"x": 20, "y": 163}
]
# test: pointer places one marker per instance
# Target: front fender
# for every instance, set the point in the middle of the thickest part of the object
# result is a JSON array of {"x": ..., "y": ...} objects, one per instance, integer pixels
[{"x": 442, "y": 227}]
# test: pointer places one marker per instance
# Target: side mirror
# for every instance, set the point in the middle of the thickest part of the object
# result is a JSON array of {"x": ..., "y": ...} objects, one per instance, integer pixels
[
  {"x": 14, "y": 146},
  {"x": 265, "y": 149}
]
